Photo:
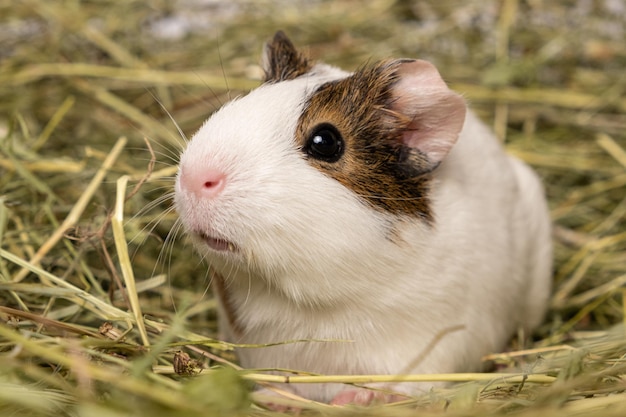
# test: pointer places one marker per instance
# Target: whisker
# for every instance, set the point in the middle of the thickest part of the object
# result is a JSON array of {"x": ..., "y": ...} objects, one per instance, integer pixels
[
  {"x": 170, "y": 158},
  {"x": 168, "y": 250},
  {"x": 151, "y": 205},
  {"x": 148, "y": 228},
  {"x": 174, "y": 122},
  {"x": 219, "y": 54}
]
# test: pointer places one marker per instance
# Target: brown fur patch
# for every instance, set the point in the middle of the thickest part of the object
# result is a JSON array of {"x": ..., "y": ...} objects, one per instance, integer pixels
[
  {"x": 221, "y": 290},
  {"x": 375, "y": 165},
  {"x": 283, "y": 61}
]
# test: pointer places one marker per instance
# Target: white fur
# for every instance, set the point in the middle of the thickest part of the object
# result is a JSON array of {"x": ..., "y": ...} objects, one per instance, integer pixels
[{"x": 316, "y": 263}]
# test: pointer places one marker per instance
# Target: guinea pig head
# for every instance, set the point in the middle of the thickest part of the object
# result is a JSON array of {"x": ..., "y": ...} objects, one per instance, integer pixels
[{"x": 304, "y": 177}]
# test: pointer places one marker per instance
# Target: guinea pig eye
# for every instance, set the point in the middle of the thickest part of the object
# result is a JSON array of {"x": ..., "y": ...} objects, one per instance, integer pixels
[{"x": 325, "y": 143}]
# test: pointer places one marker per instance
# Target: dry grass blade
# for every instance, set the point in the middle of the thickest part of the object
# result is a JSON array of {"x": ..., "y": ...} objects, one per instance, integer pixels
[
  {"x": 559, "y": 98},
  {"x": 77, "y": 210},
  {"x": 143, "y": 76},
  {"x": 125, "y": 264}
]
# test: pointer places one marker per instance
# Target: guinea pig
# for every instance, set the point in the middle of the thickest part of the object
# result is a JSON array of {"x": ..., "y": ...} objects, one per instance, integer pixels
[{"x": 369, "y": 210}]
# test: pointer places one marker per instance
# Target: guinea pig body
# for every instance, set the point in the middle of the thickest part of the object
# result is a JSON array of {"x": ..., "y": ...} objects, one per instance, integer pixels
[{"x": 369, "y": 214}]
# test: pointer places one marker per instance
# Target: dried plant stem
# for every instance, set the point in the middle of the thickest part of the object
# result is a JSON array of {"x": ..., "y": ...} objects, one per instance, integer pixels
[
  {"x": 608, "y": 144},
  {"x": 58, "y": 115},
  {"x": 142, "y": 76},
  {"x": 365, "y": 379},
  {"x": 56, "y": 354},
  {"x": 80, "y": 297},
  {"x": 150, "y": 126},
  {"x": 560, "y": 98},
  {"x": 117, "y": 223},
  {"x": 43, "y": 165},
  {"x": 77, "y": 210}
]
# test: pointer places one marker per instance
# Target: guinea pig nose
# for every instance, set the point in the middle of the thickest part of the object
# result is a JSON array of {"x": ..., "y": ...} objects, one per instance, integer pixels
[{"x": 205, "y": 183}]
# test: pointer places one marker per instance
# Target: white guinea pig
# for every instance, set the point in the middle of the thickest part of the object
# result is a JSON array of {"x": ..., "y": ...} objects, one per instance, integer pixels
[{"x": 370, "y": 208}]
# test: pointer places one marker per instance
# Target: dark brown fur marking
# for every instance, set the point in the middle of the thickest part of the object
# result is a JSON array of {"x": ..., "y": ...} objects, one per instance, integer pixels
[
  {"x": 283, "y": 61},
  {"x": 221, "y": 290},
  {"x": 376, "y": 165}
]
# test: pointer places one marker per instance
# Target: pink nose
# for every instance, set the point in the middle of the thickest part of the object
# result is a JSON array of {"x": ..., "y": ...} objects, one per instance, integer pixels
[{"x": 205, "y": 183}]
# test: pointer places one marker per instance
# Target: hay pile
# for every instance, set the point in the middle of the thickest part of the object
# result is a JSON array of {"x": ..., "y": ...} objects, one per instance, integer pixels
[{"x": 83, "y": 83}]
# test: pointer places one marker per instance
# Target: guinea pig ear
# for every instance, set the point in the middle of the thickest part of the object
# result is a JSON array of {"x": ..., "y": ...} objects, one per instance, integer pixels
[
  {"x": 435, "y": 114},
  {"x": 282, "y": 61}
]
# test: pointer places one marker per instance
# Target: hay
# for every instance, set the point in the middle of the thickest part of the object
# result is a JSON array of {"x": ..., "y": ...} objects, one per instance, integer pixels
[{"x": 104, "y": 311}]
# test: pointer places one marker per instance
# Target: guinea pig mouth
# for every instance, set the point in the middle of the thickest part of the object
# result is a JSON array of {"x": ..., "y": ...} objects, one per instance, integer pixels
[{"x": 219, "y": 245}]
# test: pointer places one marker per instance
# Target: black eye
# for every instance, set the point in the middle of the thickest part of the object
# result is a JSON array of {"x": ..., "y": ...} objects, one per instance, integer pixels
[{"x": 325, "y": 143}]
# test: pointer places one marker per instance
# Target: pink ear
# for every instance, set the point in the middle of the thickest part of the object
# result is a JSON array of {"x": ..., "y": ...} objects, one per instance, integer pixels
[{"x": 435, "y": 112}]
